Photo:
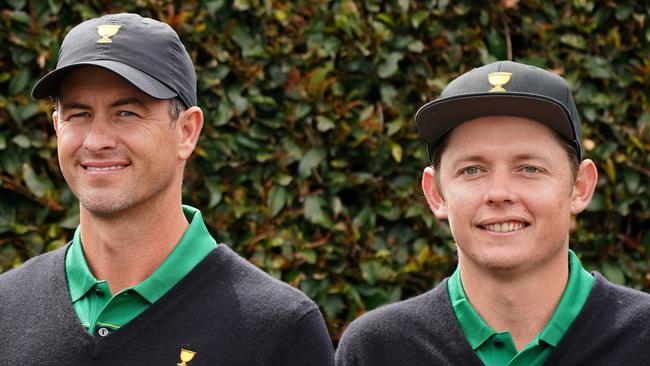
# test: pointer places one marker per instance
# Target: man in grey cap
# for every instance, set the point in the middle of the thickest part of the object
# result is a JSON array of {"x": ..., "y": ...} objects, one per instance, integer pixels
[
  {"x": 508, "y": 173},
  {"x": 142, "y": 282}
]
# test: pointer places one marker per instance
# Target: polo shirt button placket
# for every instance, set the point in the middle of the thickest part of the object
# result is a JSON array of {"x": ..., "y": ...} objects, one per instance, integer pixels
[{"x": 498, "y": 343}]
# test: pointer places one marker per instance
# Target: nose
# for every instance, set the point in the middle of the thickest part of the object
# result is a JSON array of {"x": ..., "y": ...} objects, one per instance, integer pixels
[
  {"x": 500, "y": 189},
  {"x": 100, "y": 136}
]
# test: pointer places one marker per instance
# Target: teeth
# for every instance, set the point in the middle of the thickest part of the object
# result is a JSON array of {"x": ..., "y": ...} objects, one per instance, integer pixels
[
  {"x": 97, "y": 168},
  {"x": 505, "y": 227}
]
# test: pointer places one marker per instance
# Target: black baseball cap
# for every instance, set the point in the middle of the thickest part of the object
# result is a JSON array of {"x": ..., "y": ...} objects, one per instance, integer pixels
[
  {"x": 502, "y": 88},
  {"x": 144, "y": 51}
]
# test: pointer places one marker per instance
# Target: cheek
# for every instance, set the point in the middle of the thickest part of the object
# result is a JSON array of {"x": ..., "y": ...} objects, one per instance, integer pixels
[{"x": 69, "y": 140}]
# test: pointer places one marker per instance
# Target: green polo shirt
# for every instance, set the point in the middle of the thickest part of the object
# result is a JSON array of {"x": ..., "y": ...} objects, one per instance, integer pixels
[
  {"x": 101, "y": 313},
  {"x": 497, "y": 348}
]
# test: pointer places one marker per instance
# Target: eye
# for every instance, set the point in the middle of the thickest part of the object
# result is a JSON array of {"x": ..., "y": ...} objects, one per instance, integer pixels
[
  {"x": 471, "y": 170},
  {"x": 531, "y": 169},
  {"x": 77, "y": 116},
  {"x": 127, "y": 114}
]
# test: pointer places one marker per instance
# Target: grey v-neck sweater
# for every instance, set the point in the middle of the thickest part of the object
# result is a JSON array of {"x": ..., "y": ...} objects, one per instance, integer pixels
[
  {"x": 225, "y": 310},
  {"x": 612, "y": 329}
]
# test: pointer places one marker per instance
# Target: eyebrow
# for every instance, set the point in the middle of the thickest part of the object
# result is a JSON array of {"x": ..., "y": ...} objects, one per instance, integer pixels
[
  {"x": 75, "y": 105},
  {"x": 127, "y": 101},
  {"x": 516, "y": 158},
  {"x": 117, "y": 103}
]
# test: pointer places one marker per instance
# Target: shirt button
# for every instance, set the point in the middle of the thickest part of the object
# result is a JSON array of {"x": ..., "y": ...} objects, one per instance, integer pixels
[
  {"x": 498, "y": 343},
  {"x": 99, "y": 292},
  {"x": 103, "y": 332}
]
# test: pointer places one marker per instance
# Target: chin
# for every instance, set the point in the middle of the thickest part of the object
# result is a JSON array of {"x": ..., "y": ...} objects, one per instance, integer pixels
[
  {"x": 498, "y": 259},
  {"x": 106, "y": 208}
]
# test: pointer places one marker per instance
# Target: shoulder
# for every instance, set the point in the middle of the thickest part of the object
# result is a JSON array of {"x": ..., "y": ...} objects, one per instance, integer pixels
[
  {"x": 393, "y": 317},
  {"x": 611, "y": 329},
  {"x": 422, "y": 330},
  {"x": 233, "y": 294},
  {"x": 249, "y": 285},
  {"x": 413, "y": 325},
  {"x": 32, "y": 284},
  {"x": 34, "y": 271},
  {"x": 608, "y": 294},
  {"x": 623, "y": 303}
]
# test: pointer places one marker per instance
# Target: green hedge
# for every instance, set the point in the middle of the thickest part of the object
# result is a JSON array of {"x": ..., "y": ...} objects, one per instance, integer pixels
[{"x": 309, "y": 163}]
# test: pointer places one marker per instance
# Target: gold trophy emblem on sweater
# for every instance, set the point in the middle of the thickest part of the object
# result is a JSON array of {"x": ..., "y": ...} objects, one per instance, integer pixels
[
  {"x": 106, "y": 31},
  {"x": 186, "y": 356},
  {"x": 498, "y": 79}
]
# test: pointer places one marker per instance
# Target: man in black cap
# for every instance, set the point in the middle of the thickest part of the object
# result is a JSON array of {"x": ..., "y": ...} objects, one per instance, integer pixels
[
  {"x": 508, "y": 174},
  {"x": 142, "y": 282}
]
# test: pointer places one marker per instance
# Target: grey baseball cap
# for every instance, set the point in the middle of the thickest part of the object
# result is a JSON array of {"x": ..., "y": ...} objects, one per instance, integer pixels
[
  {"x": 144, "y": 51},
  {"x": 502, "y": 88}
]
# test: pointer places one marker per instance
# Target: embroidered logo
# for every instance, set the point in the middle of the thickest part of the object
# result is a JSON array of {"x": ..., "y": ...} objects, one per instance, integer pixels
[
  {"x": 186, "y": 356},
  {"x": 107, "y": 31},
  {"x": 498, "y": 79}
]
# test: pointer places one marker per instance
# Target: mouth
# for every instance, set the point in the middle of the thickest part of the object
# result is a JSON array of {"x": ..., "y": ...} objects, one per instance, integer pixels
[
  {"x": 103, "y": 167},
  {"x": 504, "y": 227}
]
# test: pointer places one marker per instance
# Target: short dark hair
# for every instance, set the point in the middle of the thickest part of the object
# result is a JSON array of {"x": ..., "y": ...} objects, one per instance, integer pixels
[
  {"x": 176, "y": 107},
  {"x": 435, "y": 154}
]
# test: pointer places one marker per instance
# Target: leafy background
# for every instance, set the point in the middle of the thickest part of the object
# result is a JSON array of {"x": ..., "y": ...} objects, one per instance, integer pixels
[{"x": 309, "y": 163}]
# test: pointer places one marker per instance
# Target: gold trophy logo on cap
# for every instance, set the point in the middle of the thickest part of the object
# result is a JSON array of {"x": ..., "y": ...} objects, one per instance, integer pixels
[
  {"x": 186, "y": 356},
  {"x": 498, "y": 79},
  {"x": 106, "y": 31}
]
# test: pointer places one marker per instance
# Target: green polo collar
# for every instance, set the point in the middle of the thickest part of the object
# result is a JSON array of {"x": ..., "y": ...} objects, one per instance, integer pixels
[
  {"x": 195, "y": 244},
  {"x": 478, "y": 332}
]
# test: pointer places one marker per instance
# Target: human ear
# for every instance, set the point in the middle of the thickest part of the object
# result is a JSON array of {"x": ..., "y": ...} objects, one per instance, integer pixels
[
  {"x": 432, "y": 193},
  {"x": 189, "y": 123},
  {"x": 585, "y": 184},
  {"x": 55, "y": 122}
]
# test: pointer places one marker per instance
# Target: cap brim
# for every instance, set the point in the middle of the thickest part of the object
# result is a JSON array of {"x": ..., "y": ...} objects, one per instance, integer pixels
[
  {"x": 49, "y": 85},
  {"x": 440, "y": 116}
]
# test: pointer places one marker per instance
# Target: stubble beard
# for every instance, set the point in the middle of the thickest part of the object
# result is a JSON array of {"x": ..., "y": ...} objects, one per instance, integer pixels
[{"x": 112, "y": 202}]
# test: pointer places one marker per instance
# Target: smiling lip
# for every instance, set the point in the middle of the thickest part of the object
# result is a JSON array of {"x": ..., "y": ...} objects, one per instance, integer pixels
[
  {"x": 503, "y": 226},
  {"x": 104, "y": 166}
]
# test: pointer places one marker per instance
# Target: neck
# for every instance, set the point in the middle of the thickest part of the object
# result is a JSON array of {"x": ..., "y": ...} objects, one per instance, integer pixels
[
  {"x": 126, "y": 248},
  {"x": 520, "y": 302}
]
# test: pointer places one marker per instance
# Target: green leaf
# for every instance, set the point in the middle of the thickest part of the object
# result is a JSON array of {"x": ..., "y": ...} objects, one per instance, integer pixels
[
  {"x": 216, "y": 192},
  {"x": 496, "y": 44},
  {"x": 418, "y": 17},
  {"x": 311, "y": 160},
  {"x": 21, "y": 17},
  {"x": 598, "y": 67},
  {"x": 277, "y": 199},
  {"x": 574, "y": 41},
  {"x": 22, "y": 141},
  {"x": 55, "y": 6},
  {"x": 234, "y": 95},
  {"x": 613, "y": 273},
  {"x": 314, "y": 211},
  {"x": 374, "y": 271},
  {"x": 333, "y": 306},
  {"x": 396, "y": 151},
  {"x": 214, "y": 6},
  {"x": 390, "y": 65},
  {"x": 632, "y": 180},
  {"x": 324, "y": 123},
  {"x": 18, "y": 83},
  {"x": 37, "y": 185},
  {"x": 17, "y": 4}
]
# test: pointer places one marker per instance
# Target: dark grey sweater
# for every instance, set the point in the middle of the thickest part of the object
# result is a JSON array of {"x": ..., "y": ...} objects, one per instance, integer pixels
[
  {"x": 226, "y": 310},
  {"x": 612, "y": 329}
]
